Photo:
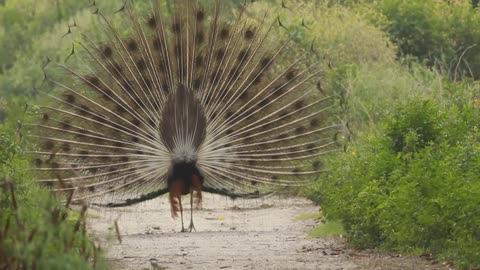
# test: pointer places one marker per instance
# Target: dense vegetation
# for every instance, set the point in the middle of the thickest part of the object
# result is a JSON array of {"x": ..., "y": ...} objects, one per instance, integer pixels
[
  {"x": 408, "y": 180},
  {"x": 413, "y": 184},
  {"x": 36, "y": 230},
  {"x": 404, "y": 73}
]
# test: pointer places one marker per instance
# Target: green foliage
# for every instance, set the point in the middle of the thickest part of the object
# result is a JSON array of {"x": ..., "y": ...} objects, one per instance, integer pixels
[
  {"x": 441, "y": 33},
  {"x": 35, "y": 230},
  {"x": 370, "y": 91},
  {"x": 357, "y": 58},
  {"x": 341, "y": 36},
  {"x": 337, "y": 34},
  {"x": 414, "y": 126},
  {"x": 23, "y": 20},
  {"x": 414, "y": 184},
  {"x": 36, "y": 32},
  {"x": 415, "y": 27}
]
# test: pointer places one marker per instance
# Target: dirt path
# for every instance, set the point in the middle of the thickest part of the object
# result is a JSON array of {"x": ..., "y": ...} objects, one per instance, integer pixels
[{"x": 254, "y": 234}]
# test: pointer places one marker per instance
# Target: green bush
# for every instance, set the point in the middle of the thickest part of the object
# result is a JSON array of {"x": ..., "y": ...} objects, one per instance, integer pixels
[
  {"x": 413, "y": 185},
  {"x": 337, "y": 34},
  {"x": 440, "y": 33},
  {"x": 413, "y": 127},
  {"x": 36, "y": 230}
]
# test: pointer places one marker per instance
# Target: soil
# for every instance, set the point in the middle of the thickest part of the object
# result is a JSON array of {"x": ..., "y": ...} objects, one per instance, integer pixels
[{"x": 240, "y": 234}]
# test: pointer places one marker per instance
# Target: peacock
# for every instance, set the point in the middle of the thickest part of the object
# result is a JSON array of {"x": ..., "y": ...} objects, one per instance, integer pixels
[{"x": 188, "y": 99}]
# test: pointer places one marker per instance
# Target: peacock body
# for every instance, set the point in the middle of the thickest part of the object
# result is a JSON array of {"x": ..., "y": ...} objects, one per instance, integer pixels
[{"x": 188, "y": 101}]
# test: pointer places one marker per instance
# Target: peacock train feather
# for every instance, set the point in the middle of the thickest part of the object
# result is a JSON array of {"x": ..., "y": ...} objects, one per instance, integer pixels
[{"x": 189, "y": 100}]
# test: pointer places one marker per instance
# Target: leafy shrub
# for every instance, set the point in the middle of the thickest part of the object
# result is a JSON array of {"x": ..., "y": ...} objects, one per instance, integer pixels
[
  {"x": 441, "y": 33},
  {"x": 36, "y": 231},
  {"x": 412, "y": 185},
  {"x": 413, "y": 127}
]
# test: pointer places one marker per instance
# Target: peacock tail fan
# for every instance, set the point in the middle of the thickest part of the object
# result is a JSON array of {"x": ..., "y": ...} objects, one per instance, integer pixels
[{"x": 189, "y": 85}]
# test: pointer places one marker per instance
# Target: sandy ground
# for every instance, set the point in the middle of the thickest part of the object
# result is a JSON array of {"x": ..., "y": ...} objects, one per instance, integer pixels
[{"x": 253, "y": 234}]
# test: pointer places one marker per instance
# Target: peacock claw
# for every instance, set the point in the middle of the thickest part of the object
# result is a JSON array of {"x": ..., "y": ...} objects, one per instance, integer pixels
[{"x": 191, "y": 227}]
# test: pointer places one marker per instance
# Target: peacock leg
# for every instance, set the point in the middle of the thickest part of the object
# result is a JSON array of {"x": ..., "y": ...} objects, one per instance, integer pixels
[
  {"x": 191, "y": 227},
  {"x": 181, "y": 212}
]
